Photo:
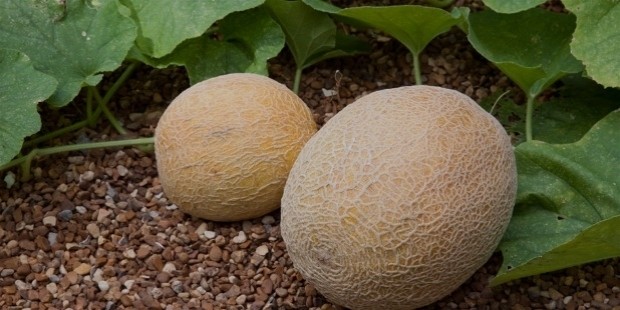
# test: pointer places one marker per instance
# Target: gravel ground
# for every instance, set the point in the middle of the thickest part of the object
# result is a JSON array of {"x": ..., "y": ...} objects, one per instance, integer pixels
[{"x": 93, "y": 230}]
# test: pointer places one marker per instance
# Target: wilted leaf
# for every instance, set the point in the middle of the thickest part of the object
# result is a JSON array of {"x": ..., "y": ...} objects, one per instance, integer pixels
[
  {"x": 21, "y": 89},
  {"x": 568, "y": 203},
  {"x": 164, "y": 24},
  {"x": 530, "y": 47},
  {"x": 512, "y": 6},
  {"x": 595, "y": 41},
  {"x": 73, "y": 42}
]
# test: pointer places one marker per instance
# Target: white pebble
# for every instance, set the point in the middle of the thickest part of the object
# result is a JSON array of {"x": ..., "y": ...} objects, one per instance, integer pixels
[
  {"x": 122, "y": 171},
  {"x": 129, "y": 283},
  {"x": 130, "y": 253},
  {"x": 49, "y": 220},
  {"x": 169, "y": 267},
  {"x": 567, "y": 299},
  {"x": 240, "y": 300},
  {"x": 51, "y": 238},
  {"x": 210, "y": 234},
  {"x": 262, "y": 250},
  {"x": 103, "y": 286},
  {"x": 21, "y": 285},
  {"x": 87, "y": 176},
  {"x": 80, "y": 209},
  {"x": 52, "y": 288},
  {"x": 268, "y": 220},
  {"x": 240, "y": 238}
]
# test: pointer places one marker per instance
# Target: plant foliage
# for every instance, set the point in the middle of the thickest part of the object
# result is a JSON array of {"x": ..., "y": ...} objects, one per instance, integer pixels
[
  {"x": 21, "y": 88},
  {"x": 164, "y": 24},
  {"x": 73, "y": 42},
  {"x": 595, "y": 41},
  {"x": 568, "y": 203}
]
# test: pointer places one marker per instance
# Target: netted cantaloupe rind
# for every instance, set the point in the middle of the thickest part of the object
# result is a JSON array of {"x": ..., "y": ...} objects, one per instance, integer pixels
[
  {"x": 399, "y": 198},
  {"x": 225, "y": 146}
]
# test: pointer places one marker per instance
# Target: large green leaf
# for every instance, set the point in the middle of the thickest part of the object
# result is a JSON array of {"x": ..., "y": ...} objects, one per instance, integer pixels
[
  {"x": 568, "y": 203},
  {"x": 530, "y": 47},
  {"x": 564, "y": 119},
  {"x": 310, "y": 45},
  {"x": 21, "y": 89},
  {"x": 412, "y": 25},
  {"x": 248, "y": 40},
  {"x": 512, "y": 6},
  {"x": 164, "y": 24},
  {"x": 73, "y": 42},
  {"x": 304, "y": 41},
  {"x": 595, "y": 41}
]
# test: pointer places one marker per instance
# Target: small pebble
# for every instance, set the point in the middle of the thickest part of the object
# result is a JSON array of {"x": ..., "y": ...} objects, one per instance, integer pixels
[
  {"x": 240, "y": 238},
  {"x": 210, "y": 234},
  {"x": 21, "y": 285},
  {"x": 82, "y": 269},
  {"x": 169, "y": 267},
  {"x": 103, "y": 286},
  {"x": 51, "y": 238},
  {"x": 87, "y": 176},
  {"x": 262, "y": 250},
  {"x": 268, "y": 220},
  {"x": 93, "y": 230},
  {"x": 6, "y": 272},
  {"x": 65, "y": 215},
  {"x": 49, "y": 220},
  {"x": 52, "y": 288}
]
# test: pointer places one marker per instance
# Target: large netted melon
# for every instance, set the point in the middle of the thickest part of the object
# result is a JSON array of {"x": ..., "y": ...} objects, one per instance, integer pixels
[
  {"x": 225, "y": 146},
  {"x": 399, "y": 198}
]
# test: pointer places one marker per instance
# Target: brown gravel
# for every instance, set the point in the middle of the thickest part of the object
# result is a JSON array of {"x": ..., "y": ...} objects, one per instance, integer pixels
[{"x": 93, "y": 230}]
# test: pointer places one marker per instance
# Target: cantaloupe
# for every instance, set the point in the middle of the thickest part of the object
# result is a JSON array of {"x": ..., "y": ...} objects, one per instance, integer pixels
[
  {"x": 399, "y": 198},
  {"x": 224, "y": 147}
]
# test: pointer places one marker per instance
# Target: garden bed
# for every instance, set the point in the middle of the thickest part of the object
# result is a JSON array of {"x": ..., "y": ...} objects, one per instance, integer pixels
[{"x": 94, "y": 230}]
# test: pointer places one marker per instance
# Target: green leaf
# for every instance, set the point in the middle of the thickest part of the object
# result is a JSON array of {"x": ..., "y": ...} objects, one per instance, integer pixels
[
  {"x": 248, "y": 40},
  {"x": 345, "y": 45},
  {"x": 305, "y": 42},
  {"x": 310, "y": 45},
  {"x": 73, "y": 42},
  {"x": 595, "y": 41},
  {"x": 412, "y": 25},
  {"x": 564, "y": 119},
  {"x": 530, "y": 47},
  {"x": 568, "y": 203},
  {"x": 164, "y": 24},
  {"x": 21, "y": 89},
  {"x": 512, "y": 6}
]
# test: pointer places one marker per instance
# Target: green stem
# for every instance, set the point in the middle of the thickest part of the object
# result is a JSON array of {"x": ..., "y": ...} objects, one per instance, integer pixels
[
  {"x": 439, "y": 3},
  {"x": 56, "y": 133},
  {"x": 297, "y": 80},
  {"x": 121, "y": 80},
  {"x": 416, "y": 68},
  {"x": 111, "y": 118},
  {"x": 25, "y": 161},
  {"x": 89, "y": 108},
  {"x": 529, "y": 110},
  {"x": 92, "y": 116}
]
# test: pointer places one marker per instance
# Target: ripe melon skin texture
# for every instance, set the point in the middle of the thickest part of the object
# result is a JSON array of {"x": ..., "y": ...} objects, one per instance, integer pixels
[
  {"x": 399, "y": 198},
  {"x": 224, "y": 147}
]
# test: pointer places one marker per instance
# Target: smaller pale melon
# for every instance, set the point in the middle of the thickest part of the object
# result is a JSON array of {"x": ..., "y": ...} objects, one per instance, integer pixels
[
  {"x": 399, "y": 198},
  {"x": 225, "y": 146}
]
